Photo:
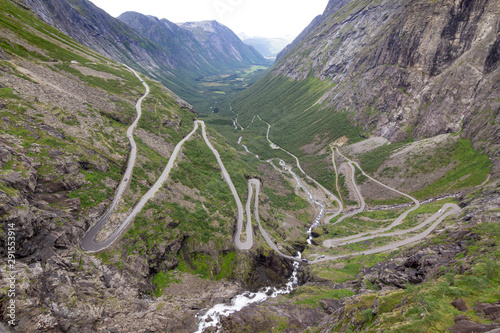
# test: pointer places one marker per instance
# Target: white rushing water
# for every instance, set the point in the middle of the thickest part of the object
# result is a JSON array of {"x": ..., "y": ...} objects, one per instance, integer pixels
[
  {"x": 246, "y": 148},
  {"x": 211, "y": 318},
  {"x": 321, "y": 214}
]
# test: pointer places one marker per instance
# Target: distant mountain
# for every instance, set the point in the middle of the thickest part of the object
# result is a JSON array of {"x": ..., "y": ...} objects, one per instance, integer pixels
[
  {"x": 206, "y": 46},
  {"x": 174, "y": 55},
  {"x": 222, "y": 44},
  {"x": 268, "y": 47},
  {"x": 401, "y": 71}
]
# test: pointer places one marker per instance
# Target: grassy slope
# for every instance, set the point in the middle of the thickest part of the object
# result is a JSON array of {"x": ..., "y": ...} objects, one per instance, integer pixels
[
  {"x": 289, "y": 106},
  {"x": 106, "y": 127},
  {"x": 473, "y": 275}
]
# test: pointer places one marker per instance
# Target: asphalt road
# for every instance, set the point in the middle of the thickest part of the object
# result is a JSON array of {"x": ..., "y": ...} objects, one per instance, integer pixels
[
  {"x": 435, "y": 219},
  {"x": 88, "y": 241},
  {"x": 362, "y": 203},
  {"x": 248, "y": 243},
  {"x": 328, "y": 193},
  {"x": 89, "y": 244},
  {"x": 397, "y": 221},
  {"x": 256, "y": 183}
]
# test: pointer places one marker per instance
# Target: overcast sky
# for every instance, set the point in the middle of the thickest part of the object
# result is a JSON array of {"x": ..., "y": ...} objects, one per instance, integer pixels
[{"x": 264, "y": 18}]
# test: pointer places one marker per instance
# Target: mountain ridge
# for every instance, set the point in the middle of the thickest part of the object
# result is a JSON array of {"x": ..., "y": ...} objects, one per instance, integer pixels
[
  {"x": 218, "y": 48},
  {"x": 177, "y": 61},
  {"x": 335, "y": 98},
  {"x": 394, "y": 77}
]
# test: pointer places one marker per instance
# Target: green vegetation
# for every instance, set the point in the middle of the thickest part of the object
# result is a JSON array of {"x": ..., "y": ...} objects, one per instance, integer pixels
[
  {"x": 354, "y": 225},
  {"x": 372, "y": 160},
  {"x": 21, "y": 22},
  {"x": 473, "y": 275},
  {"x": 215, "y": 92},
  {"x": 427, "y": 307},
  {"x": 93, "y": 193},
  {"x": 200, "y": 170},
  {"x": 113, "y": 86},
  {"x": 197, "y": 263},
  {"x": 290, "y": 107},
  {"x": 418, "y": 216},
  {"x": 470, "y": 168},
  {"x": 282, "y": 102},
  {"x": 311, "y": 296},
  {"x": 346, "y": 269},
  {"x": 290, "y": 202},
  {"x": 162, "y": 280},
  {"x": 8, "y": 93},
  {"x": 207, "y": 267}
]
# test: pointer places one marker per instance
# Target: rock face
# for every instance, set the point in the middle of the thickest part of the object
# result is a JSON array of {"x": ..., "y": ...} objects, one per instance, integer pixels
[
  {"x": 207, "y": 46},
  {"x": 416, "y": 267},
  {"x": 404, "y": 69},
  {"x": 268, "y": 269},
  {"x": 256, "y": 319},
  {"x": 463, "y": 325},
  {"x": 167, "y": 52}
]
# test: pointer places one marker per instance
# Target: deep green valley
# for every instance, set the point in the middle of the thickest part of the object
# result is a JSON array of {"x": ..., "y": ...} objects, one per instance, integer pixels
[{"x": 154, "y": 175}]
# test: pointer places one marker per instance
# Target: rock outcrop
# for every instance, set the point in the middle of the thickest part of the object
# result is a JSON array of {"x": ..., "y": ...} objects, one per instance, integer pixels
[
  {"x": 159, "y": 48},
  {"x": 206, "y": 47},
  {"x": 412, "y": 69}
]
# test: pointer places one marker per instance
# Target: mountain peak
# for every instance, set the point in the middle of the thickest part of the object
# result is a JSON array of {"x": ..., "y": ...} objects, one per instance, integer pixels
[{"x": 204, "y": 27}]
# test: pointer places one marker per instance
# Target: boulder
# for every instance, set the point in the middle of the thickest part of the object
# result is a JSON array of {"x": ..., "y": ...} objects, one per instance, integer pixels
[
  {"x": 459, "y": 304},
  {"x": 463, "y": 325},
  {"x": 490, "y": 311}
]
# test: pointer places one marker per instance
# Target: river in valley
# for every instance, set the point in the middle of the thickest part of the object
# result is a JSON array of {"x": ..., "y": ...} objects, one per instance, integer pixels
[{"x": 212, "y": 317}]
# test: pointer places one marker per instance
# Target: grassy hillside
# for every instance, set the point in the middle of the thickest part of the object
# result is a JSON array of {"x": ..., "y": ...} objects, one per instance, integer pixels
[{"x": 64, "y": 113}]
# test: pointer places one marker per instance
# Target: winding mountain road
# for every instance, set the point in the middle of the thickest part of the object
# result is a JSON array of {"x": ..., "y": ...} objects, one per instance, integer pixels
[
  {"x": 239, "y": 222},
  {"x": 330, "y": 194},
  {"x": 362, "y": 203},
  {"x": 437, "y": 218},
  {"x": 397, "y": 221},
  {"x": 447, "y": 210},
  {"x": 89, "y": 243},
  {"x": 256, "y": 183}
]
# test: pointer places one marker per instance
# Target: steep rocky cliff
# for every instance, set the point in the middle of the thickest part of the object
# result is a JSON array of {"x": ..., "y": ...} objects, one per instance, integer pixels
[
  {"x": 209, "y": 45},
  {"x": 400, "y": 69},
  {"x": 157, "y": 48},
  {"x": 64, "y": 112}
]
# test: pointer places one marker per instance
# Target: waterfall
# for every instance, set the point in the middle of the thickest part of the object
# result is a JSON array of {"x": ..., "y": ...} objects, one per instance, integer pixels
[{"x": 212, "y": 317}]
